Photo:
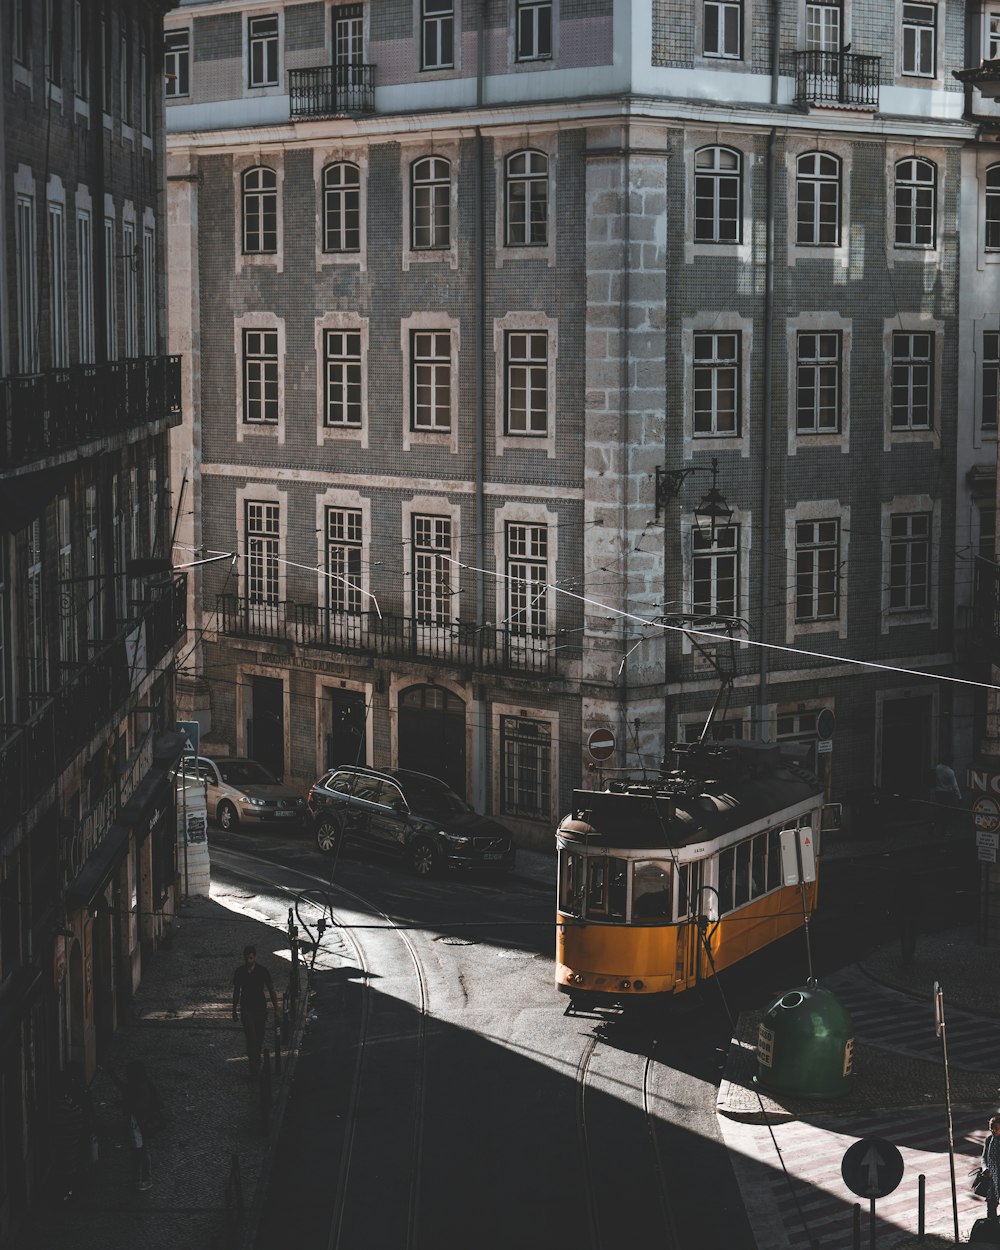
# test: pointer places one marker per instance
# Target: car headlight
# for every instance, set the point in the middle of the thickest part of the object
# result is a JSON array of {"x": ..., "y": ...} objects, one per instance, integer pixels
[
  {"x": 455, "y": 839},
  {"x": 256, "y": 802}
]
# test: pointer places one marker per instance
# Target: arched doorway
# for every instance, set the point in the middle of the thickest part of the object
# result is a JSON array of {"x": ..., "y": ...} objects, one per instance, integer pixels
[{"x": 432, "y": 734}]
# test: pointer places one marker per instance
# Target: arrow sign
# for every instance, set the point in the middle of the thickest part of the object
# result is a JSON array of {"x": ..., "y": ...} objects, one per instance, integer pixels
[{"x": 872, "y": 1167}]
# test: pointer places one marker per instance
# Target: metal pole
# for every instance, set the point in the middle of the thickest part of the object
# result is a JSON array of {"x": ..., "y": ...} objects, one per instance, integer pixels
[
  {"x": 184, "y": 809},
  {"x": 856, "y": 1227},
  {"x": 943, "y": 1035},
  {"x": 871, "y": 1224},
  {"x": 921, "y": 1205}
]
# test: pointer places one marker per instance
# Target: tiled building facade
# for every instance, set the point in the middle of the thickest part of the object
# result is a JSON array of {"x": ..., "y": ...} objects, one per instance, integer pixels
[
  {"x": 90, "y": 612},
  {"x": 457, "y": 279}
]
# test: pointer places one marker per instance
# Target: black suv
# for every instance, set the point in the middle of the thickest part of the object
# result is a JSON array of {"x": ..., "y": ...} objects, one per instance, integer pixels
[{"x": 409, "y": 813}]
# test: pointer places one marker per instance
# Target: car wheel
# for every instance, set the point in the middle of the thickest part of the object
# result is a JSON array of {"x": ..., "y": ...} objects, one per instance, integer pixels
[
  {"x": 328, "y": 833},
  {"x": 228, "y": 817},
  {"x": 423, "y": 857}
]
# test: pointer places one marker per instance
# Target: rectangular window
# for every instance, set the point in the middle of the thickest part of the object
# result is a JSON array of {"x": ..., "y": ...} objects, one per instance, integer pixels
[
  {"x": 987, "y": 547},
  {"x": 107, "y": 70},
  {"x": 35, "y": 650},
  {"x": 81, "y": 50},
  {"x": 134, "y": 541},
  {"x": 431, "y": 380},
  {"x": 991, "y": 382},
  {"x": 110, "y": 292},
  {"x": 912, "y": 381},
  {"x": 262, "y": 47},
  {"x": 93, "y": 584},
  {"x": 824, "y": 24},
  {"x": 149, "y": 291},
  {"x": 919, "y": 39},
  {"x": 53, "y": 41},
  {"x": 715, "y": 572},
  {"x": 343, "y": 378},
  {"x": 125, "y": 77},
  {"x": 527, "y": 382},
  {"x": 348, "y": 34},
  {"x": 260, "y": 376},
  {"x": 262, "y": 536},
  {"x": 145, "y": 96},
  {"x": 67, "y": 586},
  {"x": 723, "y": 28},
  {"x": 716, "y": 384},
  {"x": 817, "y": 384},
  {"x": 131, "y": 290},
  {"x": 177, "y": 62},
  {"x": 534, "y": 30},
  {"x": 437, "y": 34},
  {"x": 909, "y": 561},
  {"x": 991, "y": 48},
  {"x": 85, "y": 286},
  {"x": 527, "y": 579},
  {"x": 526, "y": 767},
  {"x": 21, "y": 32},
  {"x": 817, "y": 570},
  {"x": 27, "y": 296},
  {"x": 57, "y": 287},
  {"x": 432, "y": 569},
  {"x": 343, "y": 559},
  {"x": 153, "y": 506},
  {"x": 119, "y": 586}
]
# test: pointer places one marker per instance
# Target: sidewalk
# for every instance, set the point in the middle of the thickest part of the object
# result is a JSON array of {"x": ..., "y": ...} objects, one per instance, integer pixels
[{"x": 180, "y": 1026}]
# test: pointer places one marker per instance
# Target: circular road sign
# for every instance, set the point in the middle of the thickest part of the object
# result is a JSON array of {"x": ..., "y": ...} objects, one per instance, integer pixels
[
  {"x": 872, "y": 1167},
  {"x": 601, "y": 744},
  {"x": 826, "y": 723},
  {"x": 987, "y": 814}
]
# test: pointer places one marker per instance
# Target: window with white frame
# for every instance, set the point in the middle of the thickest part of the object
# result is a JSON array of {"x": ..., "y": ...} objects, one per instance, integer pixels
[
  {"x": 118, "y": 555},
  {"x": 110, "y": 290},
  {"x": 262, "y": 51},
  {"x": 130, "y": 289},
  {"x": 715, "y": 572},
  {"x": 527, "y": 578},
  {"x": 817, "y": 200},
  {"x": 348, "y": 34},
  {"x": 125, "y": 74},
  {"x": 718, "y": 731},
  {"x": 992, "y": 209},
  {"x": 817, "y": 383},
  {"x": 431, "y": 205},
  {"x": 722, "y": 24},
  {"x": 990, "y": 382},
  {"x": 718, "y": 208},
  {"x": 525, "y": 767},
  {"x": 341, "y": 207},
  {"x": 432, "y": 569},
  {"x": 153, "y": 504},
  {"x": 991, "y": 40},
  {"x": 261, "y": 546},
  {"x": 527, "y": 199},
  {"x": 817, "y": 570},
  {"x": 27, "y": 294},
  {"x": 58, "y": 323},
  {"x": 149, "y": 291},
  {"x": 134, "y": 538},
  {"x": 912, "y": 381},
  {"x": 920, "y": 40},
  {"x": 177, "y": 62},
  {"x": 534, "y": 29},
  {"x": 94, "y": 583},
  {"x": 344, "y": 541},
  {"x": 260, "y": 210},
  {"x": 430, "y": 390},
  {"x": 716, "y": 383},
  {"x": 52, "y": 14},
  {"x": 799, "y": 727},
  {"x": 36, "y": 655},
  {"x": 909, "y": 561},
  {"x": 527, "y": 367},
  {"x": 67, "y": 584},
  {"x": 21, "y": 31},
  {"x": 343, "y": 378},
  {"x": 915, "y": 202},
  {"x": 437, "y": 34},
  {"x": 824, "y": 26},
  {"x": 145, "y": 92},
  {"x": 260, "y": 377},
  {"x": 85, "y": 286},
  {"x": 81, "y": 50}
]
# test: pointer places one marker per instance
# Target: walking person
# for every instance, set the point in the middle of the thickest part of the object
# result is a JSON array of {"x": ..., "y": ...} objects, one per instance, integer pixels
[
  {"x": 143, "y": 1110},
  {"x": 945, "y": 793},
  {"x": 991, "y": 1163},
  {"x": 252, "y": 985}
]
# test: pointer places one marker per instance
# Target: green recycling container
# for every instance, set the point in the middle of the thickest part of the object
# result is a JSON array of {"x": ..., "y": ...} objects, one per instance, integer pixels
[{"x": 805, "y": 1044}]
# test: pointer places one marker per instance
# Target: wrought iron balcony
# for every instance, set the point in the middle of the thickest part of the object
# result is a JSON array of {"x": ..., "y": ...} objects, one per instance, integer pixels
[
  {"x": 837, "y": 79},
  {"x": 32, "y": 756},
  {"x": 986, "y": 607},
  {"x": 332, "y": 90},
  {"x": 42, "y": 414},
  {"x": 486, "y": 648}
]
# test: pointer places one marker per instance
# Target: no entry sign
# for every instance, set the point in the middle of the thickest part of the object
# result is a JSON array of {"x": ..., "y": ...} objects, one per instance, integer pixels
[{"x": 601, "y": 744}]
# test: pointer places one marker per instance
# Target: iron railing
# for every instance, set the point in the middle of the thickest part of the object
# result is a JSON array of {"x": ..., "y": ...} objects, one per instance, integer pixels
[
  {"x": 986, "y": 606},
  {"x": 458, "y": 643},
  {"x": 331, "y": 90},
  {"x": 837, "y": 78},
  {"x": 33, "y": 754},
  {"x": 42, "y": 414}
]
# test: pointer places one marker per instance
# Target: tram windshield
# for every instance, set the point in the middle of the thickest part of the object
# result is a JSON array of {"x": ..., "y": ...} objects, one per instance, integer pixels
[{"x": 597, "y": 887}]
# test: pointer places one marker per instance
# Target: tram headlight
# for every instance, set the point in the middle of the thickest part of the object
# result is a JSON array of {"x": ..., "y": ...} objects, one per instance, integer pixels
[{"x": 625, "y": 985}]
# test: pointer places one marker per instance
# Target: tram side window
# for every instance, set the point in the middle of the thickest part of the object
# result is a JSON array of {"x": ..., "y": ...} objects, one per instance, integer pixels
[
  {"x": 758, "y": 866},
  {"x": 607, "y": 884},
  {"x": 651, "y": 900},
  {"x": 683, "y": 901},
  {"x": 726, "y": 860},
  {"x": 571, "y": 878},
  {"x": 741, "y": 894},
  {"x": 773, "y": 859}
]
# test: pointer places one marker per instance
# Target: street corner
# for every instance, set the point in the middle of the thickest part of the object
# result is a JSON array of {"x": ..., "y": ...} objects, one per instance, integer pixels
[{"x": 740, "y": 1097}]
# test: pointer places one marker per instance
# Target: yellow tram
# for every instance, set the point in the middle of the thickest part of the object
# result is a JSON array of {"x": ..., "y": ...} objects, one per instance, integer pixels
[{"x": 667, "y": 879}]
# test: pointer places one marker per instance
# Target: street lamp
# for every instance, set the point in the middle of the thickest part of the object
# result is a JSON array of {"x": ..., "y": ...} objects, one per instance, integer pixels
[{"x": 712, "y": 513}]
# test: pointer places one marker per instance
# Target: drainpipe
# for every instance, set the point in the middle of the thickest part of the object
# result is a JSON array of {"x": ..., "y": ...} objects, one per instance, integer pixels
[
  {"x": 623, "y": 420},
  {"x": 481, "y": 778}
]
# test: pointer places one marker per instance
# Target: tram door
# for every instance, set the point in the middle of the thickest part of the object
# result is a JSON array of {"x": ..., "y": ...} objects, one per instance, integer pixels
[{"x": 690, "y": 903}]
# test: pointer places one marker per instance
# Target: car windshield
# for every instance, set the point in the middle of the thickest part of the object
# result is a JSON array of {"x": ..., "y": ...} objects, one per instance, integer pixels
[
  {"x": 246, "y": 773},
  {"x": 434, "y": 798}
]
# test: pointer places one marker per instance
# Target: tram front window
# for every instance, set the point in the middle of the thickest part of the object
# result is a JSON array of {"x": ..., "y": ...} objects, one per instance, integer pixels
[
  {"x": 651, "y": 900},
  {"x": 607, "y": 884},
  {"x": 572, "y": 869}
]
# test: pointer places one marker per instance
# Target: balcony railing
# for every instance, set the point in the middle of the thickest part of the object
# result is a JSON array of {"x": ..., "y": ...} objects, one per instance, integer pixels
[
  {"x": 842, "y": 79},
  {"x": 42, "y": 414},
  {"x": 484, "y": 648},
  {"x": 986, "y": 607},
  {"x": 331, "y": 90},
  {"x": 33, "y": 755}
]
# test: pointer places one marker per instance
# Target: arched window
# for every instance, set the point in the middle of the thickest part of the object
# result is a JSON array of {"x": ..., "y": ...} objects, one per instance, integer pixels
[
  {"x": 993, "y": 208},
  {"x": 260, "y": 210},
  {"x": 817, "y": 199},
  {"x": 527, "y": 199},
  {"x": 915, "y": 203},
  {"x": 718, "y": 199},
  {"x": 341, "y": 208},
  {"x": 430, "y": 226}
]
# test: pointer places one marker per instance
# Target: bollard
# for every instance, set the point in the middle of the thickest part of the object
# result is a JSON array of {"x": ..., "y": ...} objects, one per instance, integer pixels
[
  {"x": 856, "y": 1227},
  {"x": 921, "y": 1204}
]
